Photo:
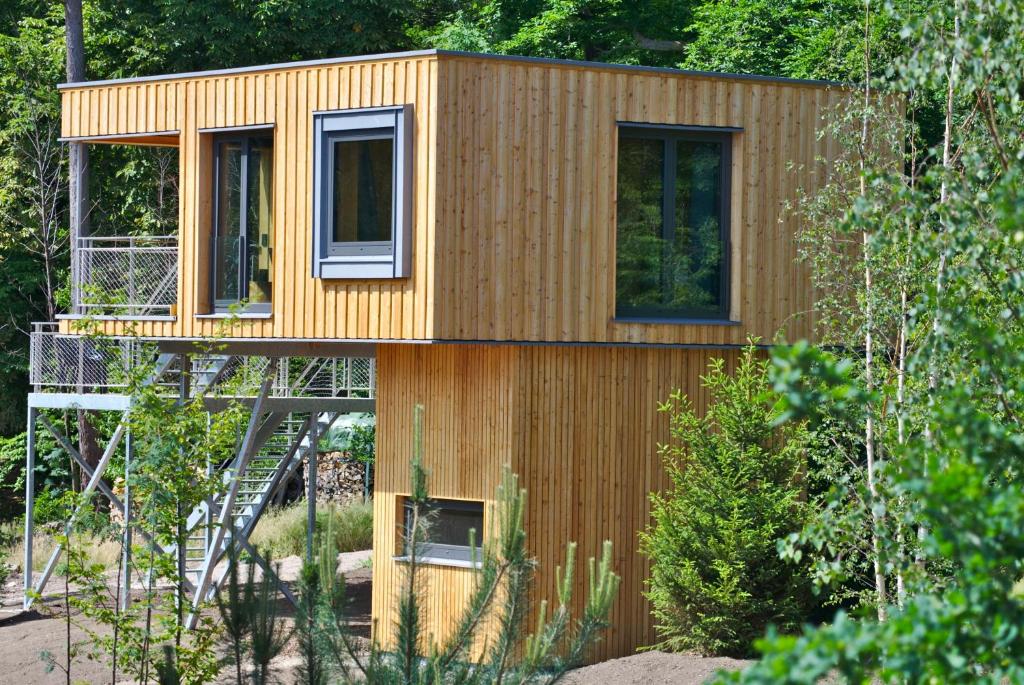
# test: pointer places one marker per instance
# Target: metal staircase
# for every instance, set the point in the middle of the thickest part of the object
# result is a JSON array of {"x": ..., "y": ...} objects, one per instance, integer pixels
[
  {"x": 279, "y": 456},
  {"x": 291, "y": 401}
]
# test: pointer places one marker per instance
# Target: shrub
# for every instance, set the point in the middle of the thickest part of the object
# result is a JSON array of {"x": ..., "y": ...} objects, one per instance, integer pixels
[
  {"x": 282, "y": 531},
  {"x": 498, "y": 602},
  {"x": 716, "y": 577},
  {"x": 357, "y": 439}
]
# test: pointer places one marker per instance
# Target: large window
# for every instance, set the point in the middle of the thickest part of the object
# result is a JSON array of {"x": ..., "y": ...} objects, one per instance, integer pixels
[
  {"x": 672, "y": 236},
  {"x": 449, "y": 536},
  {"x": 243, "y": 223},
  {"x": 362, "y": 186}
]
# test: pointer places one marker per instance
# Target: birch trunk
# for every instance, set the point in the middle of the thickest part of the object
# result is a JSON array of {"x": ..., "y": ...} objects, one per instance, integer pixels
[
  {"x": 869, "y": 361},
  {"x": 940, "y": 273}
]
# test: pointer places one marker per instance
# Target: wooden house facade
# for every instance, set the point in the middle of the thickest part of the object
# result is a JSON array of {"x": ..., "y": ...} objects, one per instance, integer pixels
[{"x": 536, "y": 251}]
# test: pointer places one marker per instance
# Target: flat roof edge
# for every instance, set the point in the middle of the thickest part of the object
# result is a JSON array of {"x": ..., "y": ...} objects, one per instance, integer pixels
[
  {"x": 455, "y": 53},
  {"x": 251, "y": 69},
  {"x": 670, "y": 71}
]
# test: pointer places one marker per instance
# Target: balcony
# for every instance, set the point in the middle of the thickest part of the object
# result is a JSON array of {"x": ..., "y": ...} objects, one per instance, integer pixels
[
  {"x": 126, "y": 276},
  {"x": 72, "y": 363},
  {"x": 62, "y": 362}
]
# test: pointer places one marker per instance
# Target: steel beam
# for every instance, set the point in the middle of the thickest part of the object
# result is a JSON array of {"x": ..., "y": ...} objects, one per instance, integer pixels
[
  {"x": 66, "y": 445},
  {"x": 79, "y": 400},
  {"x": 297, "y": 405},
  {"x": 280, "y": 347},
  {"x": 86, "y": 493}
]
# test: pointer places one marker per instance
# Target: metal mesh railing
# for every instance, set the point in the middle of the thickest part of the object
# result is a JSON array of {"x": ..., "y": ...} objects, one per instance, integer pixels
[
  {"x": 326, "y": 377},
  {"x": 296, "y": 376},
  {"x": 127, "y": 275},
  {"x": 77, "y": 363}
]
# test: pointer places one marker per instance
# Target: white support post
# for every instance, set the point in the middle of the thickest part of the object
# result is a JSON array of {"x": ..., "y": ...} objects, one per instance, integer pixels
[
  {"x": 30, "y": 496},
  {"x": 126, "y": 550},
  {"x": 311, "y": 474},
  {"x": 225, "y": 517}
]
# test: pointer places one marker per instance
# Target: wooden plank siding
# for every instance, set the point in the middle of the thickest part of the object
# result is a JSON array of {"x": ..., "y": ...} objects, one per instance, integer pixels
[
  {"x": 578, "y": 424},
  {"x": 525, "y": 225},
  {"x": 303, "y": 307},
  {"x": 514, "y": 193}
]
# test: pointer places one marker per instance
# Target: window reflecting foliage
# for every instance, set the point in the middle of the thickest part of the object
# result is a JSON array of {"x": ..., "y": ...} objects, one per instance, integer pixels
[{"x": 672, "y": 225}]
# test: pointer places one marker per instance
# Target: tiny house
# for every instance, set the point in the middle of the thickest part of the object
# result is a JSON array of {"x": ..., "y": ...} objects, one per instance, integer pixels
[{"x": 537, "y": 251}]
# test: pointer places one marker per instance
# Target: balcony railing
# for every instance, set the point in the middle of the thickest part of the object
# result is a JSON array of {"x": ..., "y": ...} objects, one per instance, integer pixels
[
  {"x": 128, "y": 276},
  {"x": 68, "y": 362},
  {"x": 79, "y": 363}
]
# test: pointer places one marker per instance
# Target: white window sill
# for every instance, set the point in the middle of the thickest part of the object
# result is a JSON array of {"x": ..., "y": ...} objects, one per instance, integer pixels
[
  {"x": 440, "y": 561},
  {"x": 681, "y": 321},
  {"x": 242, "y": 315}
]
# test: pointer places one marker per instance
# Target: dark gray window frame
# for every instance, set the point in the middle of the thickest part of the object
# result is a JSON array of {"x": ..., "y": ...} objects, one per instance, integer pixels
[
  {"x": 670, "y": 134},
  {"x": 363, "y": 260},
  {"x": 445, "y": 553},
  {"x": 244, "y": 136}
]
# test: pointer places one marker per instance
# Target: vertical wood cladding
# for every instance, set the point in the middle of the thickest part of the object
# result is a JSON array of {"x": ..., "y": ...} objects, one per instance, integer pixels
[
  {"x": 514, "y": 193},
  {"x": 303, "y": 307},
  {"x": 578, "y": 424},
  {"x": 525, "y": 220}
]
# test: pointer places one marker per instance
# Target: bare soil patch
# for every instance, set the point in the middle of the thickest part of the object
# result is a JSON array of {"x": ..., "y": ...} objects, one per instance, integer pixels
[
  {"x": 24, "y": 636},
  {"x": 654, "y": 667}
]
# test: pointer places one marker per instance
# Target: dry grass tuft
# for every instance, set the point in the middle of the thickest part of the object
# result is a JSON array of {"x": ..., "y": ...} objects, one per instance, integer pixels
[
  {"x": 282, "y": 530},
  {"x": 98, "y": 549}
]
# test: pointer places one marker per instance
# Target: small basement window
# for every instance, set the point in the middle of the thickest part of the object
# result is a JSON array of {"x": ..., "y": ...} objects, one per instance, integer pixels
[
  {"x": 362, "y": 205},
  {"x": 672, "y": 233},
  {"x": 448, "y": 540}
]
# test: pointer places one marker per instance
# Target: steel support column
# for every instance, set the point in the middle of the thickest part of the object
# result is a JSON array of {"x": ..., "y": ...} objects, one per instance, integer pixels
[
  {"x": 311, "y": 475},
  {"x": 30, "y": 496},
  {"x": 126, "y": 548}
]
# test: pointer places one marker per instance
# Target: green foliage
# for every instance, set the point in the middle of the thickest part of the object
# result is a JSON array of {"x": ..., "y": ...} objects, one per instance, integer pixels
[
  {"x": 503, "y": 577},
  {"x": 249, "y": 614},
  {"x": 949, "y": 488},
  {"x": 716, "y": 579},
  {"x": 283, "y": 531},
  {"x": 314, "y": 601},
  {"x": 165, "y": 432},
  {"x": 358, "y": 439}
]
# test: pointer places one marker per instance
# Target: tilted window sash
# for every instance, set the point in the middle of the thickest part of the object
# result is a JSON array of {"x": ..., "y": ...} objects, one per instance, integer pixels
[{"x": 362, "y": 259}]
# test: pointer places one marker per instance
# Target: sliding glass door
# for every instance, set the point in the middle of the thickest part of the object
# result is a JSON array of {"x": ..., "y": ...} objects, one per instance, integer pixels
[{"x": 243, "y": 223}]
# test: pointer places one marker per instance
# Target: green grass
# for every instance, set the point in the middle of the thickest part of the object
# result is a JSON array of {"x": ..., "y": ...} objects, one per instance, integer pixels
[
  {"x": 282, "y": 531},
  {"x": 97, "y": 549}
]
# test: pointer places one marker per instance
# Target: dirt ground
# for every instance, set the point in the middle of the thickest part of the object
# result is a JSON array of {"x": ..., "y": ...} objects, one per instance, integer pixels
[
  {"x": 25, "y": 636},
  {"x": 653, "y": 667}
]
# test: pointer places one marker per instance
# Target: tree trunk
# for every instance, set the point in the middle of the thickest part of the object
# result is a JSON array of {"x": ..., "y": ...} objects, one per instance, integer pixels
[
  {"x": 940, "y": 274},
  {"x": 78, "y": 199},
  {"x": 78, "y": 153},
  {"x": 869, "y": 323}
]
